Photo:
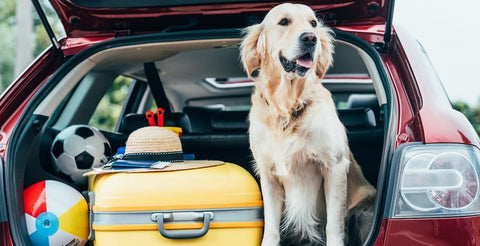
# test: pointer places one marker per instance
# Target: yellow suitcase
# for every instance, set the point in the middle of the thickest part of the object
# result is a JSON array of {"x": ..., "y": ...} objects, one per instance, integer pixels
[{"x": 219, "y": 205}]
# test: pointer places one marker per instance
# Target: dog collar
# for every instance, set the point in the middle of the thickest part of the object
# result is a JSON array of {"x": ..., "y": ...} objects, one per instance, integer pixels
[{"x": 300, "y": 110}]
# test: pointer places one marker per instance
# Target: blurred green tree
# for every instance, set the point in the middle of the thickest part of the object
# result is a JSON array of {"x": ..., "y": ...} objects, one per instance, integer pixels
[
  {"x": 472, "y": 113},
  {"x": 42, "y": 41},
  {"x": 109, "y": 108},
  {"x": 8, "y": 34},
  {"x": 7, "y": 52}
]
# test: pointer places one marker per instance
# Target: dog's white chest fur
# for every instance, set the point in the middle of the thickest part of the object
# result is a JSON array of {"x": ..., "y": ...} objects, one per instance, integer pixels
[
  {"x": 299, "y": 162},
  {"x": 319, "y": 139}
]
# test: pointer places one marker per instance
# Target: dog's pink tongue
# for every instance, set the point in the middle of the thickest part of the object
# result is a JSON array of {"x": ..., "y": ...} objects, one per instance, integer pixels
[{"x": 304, "y": 63}]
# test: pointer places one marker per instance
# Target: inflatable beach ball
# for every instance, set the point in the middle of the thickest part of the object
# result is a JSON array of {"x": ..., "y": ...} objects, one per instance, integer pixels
[{"x": 56, "y": 214}]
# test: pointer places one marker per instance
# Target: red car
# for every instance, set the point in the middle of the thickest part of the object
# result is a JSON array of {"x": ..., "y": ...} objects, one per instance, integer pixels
[{"x": 121, "y": 58}]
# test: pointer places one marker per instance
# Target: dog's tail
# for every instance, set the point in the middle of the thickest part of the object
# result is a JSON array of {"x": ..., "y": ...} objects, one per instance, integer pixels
[{"x": 359, "y": 221}]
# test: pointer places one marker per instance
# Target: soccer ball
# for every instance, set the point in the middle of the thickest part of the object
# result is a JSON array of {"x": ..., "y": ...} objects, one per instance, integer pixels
[{"x": 78, "y": 148}]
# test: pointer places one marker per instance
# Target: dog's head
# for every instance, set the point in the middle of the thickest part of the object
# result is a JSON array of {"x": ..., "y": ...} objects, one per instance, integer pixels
[{"x": 290, "y": 38}]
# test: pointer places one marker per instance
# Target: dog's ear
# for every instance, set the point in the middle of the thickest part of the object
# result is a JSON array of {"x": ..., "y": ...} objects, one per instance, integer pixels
[
  {"x": 325, "y": 57},
  {"x": 251, "y": 48}
]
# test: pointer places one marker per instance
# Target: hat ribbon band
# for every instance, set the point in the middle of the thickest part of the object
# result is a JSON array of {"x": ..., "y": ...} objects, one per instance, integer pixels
[{"x": 176, "y": 156}]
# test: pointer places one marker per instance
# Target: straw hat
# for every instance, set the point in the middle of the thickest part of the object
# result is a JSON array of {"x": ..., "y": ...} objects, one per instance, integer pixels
[{"x": 153, "y": 143}]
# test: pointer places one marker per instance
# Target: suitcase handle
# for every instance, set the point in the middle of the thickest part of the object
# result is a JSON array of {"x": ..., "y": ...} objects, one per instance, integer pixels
[{"x": 161, "y": 218}]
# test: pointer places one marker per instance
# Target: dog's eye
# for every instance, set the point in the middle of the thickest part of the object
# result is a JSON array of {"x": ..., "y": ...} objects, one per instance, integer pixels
[
  {"x": 284, "y": 22},
  {"x": 314, "y": 23}
]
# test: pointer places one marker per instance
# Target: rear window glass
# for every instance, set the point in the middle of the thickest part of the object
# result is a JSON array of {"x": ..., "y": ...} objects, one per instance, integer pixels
[{"x": 110, "y": 106}]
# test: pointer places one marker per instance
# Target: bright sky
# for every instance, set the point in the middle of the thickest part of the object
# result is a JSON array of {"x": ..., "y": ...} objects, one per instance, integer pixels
[{"x": 450, "y": 32}]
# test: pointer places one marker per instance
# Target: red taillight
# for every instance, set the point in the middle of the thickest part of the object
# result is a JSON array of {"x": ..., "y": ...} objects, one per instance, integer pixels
[
  {"x": 436, "y": 180},
  {"x": 465, "y": 193}
]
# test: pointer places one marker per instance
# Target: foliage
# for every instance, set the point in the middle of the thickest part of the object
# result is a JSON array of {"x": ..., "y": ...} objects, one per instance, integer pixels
[
  {"x": 8, "y": 34},
  {"x": 42, "y": 40},
  {"x": 472, "y": 114},
  {"x": 110, "y": 107},
  {"x": 7, "y": 53}
]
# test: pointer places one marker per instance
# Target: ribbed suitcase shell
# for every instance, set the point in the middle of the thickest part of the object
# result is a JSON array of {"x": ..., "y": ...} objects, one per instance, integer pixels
[{"x": 126, "y": 207}]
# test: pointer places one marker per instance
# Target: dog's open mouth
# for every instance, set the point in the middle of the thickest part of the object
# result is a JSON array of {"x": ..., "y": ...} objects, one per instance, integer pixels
[
  {"x": 305, "y": 61},
  {"x": 300, "y": 65}
]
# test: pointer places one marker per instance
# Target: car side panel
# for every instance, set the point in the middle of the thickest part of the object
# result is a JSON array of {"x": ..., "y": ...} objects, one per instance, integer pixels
[
  {"x": 435, "y": 231},
  {"x": 440, "y": 123}
]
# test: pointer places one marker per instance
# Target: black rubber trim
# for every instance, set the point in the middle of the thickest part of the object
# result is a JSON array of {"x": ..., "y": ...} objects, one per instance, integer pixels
[
  {"x": 3, "y": 208},
  {"x": 389, "y": 139}
]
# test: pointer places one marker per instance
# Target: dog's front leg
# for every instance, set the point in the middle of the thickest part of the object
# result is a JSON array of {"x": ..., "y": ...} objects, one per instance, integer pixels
[
  {"x": 336, "y": 200},
  {"x": 272, "y": 192}
]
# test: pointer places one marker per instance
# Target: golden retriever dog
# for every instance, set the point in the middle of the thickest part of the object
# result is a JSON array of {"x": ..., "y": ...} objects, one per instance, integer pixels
[{"x": 308, "y": 176}]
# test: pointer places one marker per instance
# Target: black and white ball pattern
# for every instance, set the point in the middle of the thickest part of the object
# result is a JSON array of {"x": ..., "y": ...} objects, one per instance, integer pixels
[{"x": 77, "y": 149}]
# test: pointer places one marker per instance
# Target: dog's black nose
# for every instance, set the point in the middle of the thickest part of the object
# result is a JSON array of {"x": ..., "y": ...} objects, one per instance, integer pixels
[{"x": 308, "y": 38}]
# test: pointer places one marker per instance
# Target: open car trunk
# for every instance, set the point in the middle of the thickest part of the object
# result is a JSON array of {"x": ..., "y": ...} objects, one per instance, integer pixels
[{"x": 207, "y": 93}]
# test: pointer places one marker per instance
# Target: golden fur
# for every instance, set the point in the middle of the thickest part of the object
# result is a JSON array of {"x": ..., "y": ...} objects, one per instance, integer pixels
[{"x": 307, "y": 172}]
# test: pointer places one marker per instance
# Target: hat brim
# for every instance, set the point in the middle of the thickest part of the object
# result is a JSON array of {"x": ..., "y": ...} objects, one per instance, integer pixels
[{"x": 173, "y": 166}]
